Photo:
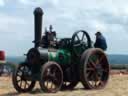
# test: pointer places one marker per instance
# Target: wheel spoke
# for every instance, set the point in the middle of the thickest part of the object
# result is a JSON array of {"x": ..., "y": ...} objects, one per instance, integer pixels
[
  {"x": 20, "y": 69},
  {"x": 78, "y": 37},
  {"x": 54, "y": 72},
  {"x": 92, "y": 63},
  {"x": 25, "y": 86},
  {"x": 99, "y": 60},
  {"x": 89, "y": 73},
  {"x": 90, "y": 69},
  {"x": 97, "y": 77},
  {"x": 82, "y": 37},
  {"x": 27, "y": 83},
  {"x": 51, "y": 85},
  {"x": 21, "y": 84},
  {"x": 19, "y": 73},
  {"x": 23, "y": 68}
]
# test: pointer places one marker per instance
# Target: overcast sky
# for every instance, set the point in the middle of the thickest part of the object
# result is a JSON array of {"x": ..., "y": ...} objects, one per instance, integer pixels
[{"x": 66, "y": 16}]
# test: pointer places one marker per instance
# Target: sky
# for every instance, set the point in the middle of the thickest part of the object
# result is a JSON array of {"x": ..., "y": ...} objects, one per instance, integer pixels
[{"x": 67, "y": 16}]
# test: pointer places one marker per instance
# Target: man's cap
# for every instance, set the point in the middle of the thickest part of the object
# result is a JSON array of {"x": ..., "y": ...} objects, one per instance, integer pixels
[{"x": 98, "y": 33}]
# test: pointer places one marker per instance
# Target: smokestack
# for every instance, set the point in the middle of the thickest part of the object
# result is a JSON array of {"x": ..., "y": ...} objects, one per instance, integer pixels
[{"x": 38, "y": 12}]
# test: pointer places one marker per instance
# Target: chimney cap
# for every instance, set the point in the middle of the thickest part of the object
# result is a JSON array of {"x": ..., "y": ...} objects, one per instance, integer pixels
[{"x": 38, "y": 10}]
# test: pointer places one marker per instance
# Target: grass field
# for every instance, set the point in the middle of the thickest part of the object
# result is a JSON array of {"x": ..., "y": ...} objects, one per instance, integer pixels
[{"x": 117, "y": 86}]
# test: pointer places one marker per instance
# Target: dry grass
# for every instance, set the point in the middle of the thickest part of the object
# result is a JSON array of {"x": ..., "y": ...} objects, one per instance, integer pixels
[{"x": 117, "y": 86}]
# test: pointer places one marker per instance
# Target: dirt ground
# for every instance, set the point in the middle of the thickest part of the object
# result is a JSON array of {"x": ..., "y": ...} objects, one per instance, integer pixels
[{"x": 117, "y": 86}]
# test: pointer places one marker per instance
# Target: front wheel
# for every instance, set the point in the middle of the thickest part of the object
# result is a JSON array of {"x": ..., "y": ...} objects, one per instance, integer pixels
[
  {"x": 51, "y": 77},
  {"x": 19, "y": 78}
]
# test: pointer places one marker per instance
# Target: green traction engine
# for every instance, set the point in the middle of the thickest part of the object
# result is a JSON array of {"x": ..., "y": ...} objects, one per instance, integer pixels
[{"x": 61, "y": 64}]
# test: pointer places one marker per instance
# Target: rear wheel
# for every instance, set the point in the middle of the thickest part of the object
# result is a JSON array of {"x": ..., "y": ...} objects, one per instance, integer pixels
[
  {"x": 51, "y": 77},
  {"x": 94, "y": 69},
  {"x": 19, "y": 78}
]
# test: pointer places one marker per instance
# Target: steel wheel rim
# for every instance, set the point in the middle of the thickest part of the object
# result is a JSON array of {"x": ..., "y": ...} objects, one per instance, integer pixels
[
  {"x": 21, "y": 81},
  {"x": 97, "y": 71},
  {"x": 52, "y": 78}
]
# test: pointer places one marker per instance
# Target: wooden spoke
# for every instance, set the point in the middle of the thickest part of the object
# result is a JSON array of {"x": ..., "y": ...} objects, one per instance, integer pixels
[
  {"x": 97, "y": 61},
  {"x": 51, "y": 85},
  {"x": 89, "y": 74},
  {"x": 20, "y": 83},
  {"x": 90, "y": 69},
  {"x": 25, "y": 85},
  {"x": 97, "y": 77},
  {"x": 92, "y": 63},
  {"x": 100, "y": 59}
]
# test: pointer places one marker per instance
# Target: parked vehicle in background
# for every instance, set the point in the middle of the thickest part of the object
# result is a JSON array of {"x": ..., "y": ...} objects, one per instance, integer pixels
[
  {"x": 2, "y": 61},
  {"x": 5, "y": 67}
]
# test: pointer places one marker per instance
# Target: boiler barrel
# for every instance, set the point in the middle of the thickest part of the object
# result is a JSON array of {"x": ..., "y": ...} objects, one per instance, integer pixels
[{"x": 38, "y": 12}]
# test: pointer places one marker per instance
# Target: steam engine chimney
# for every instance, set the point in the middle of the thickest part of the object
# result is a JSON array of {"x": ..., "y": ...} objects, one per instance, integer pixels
[{"x": 38, "y": 12}]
